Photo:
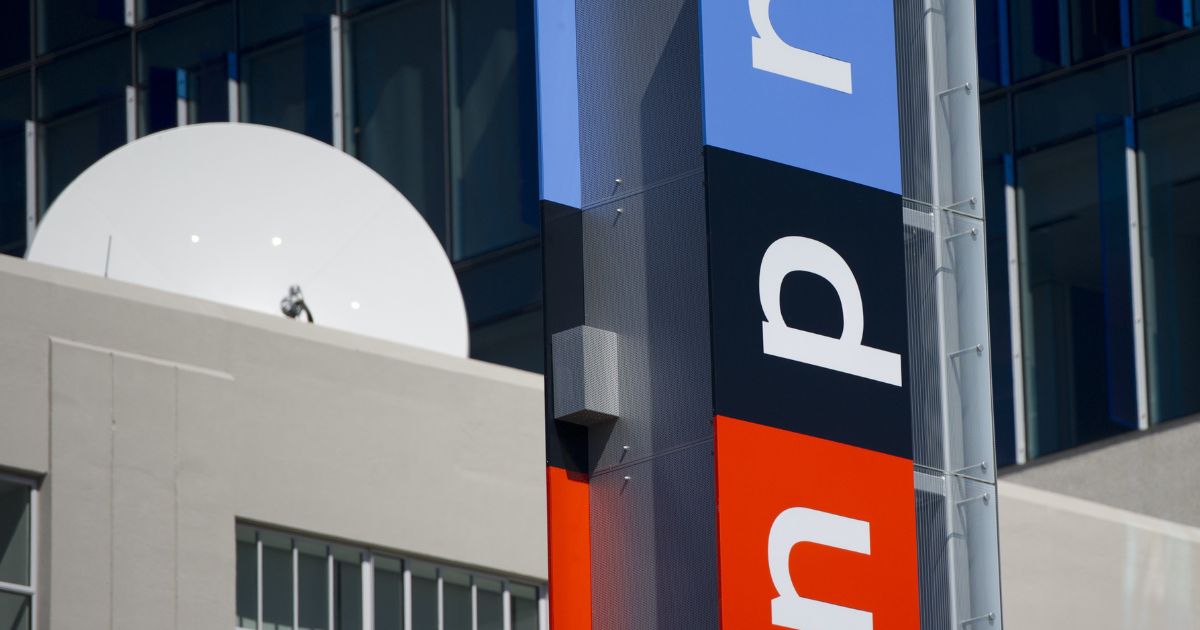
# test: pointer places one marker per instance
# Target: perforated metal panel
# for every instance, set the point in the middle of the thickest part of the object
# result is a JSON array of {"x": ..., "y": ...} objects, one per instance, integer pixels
[{"x": 654, "y": 561}]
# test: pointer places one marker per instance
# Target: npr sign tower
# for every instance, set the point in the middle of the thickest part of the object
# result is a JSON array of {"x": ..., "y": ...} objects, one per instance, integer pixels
[{"x": 767, "y": 397}]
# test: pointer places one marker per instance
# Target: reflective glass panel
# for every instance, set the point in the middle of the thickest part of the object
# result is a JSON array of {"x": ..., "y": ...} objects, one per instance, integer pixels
[
  {"x": 14, "y": 611},
  {"x": 1157, "y": 17},
  {"x": 524, "y": 607},
  {"x": 61, "y": 23},
  {"x": 313, "y": 583},
  {"x": 1095, "y": 28},
  {"x": 348, "y": 591},
  {"x": 395, "y": 105},
  {"x": 285, "y": 66},
  {"x": 996, "y": 157},
  {"x": 1039, "y": 43},
  {"x": 515, "y": 342},
  {"x": 1171, "y": 231},
  {"x": 1078, "y": 345},
  {"x": 990, "y": 48},
  {"x": 14, "y": 33},
  {"x": 155, "y": 8},
  {"x": 276, "y": 582},
  {"x": 456, "y": 600},
  {"x": 186, "y": 59},
  {"x": 81, "y": 108},
  {"x": 424, "y": 597},
  {"x": 1071, "y": 106},
  {"x": 1160, "y": 84},
  {"x": 389, "y": 594},
  {"x": 492, "y": 122},
  {"x": 14, "y": 534},
  {"x": 247, "y": 579},
  {"x": 489, "y": 605},
  {"x": 14, "y": 111}
]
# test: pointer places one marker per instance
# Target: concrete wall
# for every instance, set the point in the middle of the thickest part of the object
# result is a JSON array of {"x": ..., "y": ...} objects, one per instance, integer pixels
[{"x": 157, "y": 421}]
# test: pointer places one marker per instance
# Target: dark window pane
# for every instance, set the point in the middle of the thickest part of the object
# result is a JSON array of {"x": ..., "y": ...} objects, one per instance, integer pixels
[
  {"x": 14, "y": 611},
  {"x": 996, "y": 160},
  {"x": 991, "y": 50},
  {"x": 358, "y": 5},
  {"x": 276, "y": 582},
  {"x": 395, "y": 107},
  {"x": 503, "y": 286},
  {"x": 1157, "y": 17},
  {"x": 81, "y": 109},
  {"x": 456, "y": 601},
  {"x": 265, "y": 20},
  {"x": 389, "y": 595},
  {"x": 348, "y": 594},
  {"x": 1078, "y": 328},
  {"x": 313, "y": 587},
  {"x": 493, "y": 154},
  {"x": 15, "y": 537},
  {"x": 515, "y": 342},
  {"x": 1038, "y": 38},
  {"x": 186, "y": 58},
  {"x": 424, "y": 597},
  {"x": 524, "y": 607},
  {"x": 247, "y": 579},
  {"x": 62, "y": 23},
  {"x": 1159, "y": 80},
  {"x": 1095, "y": 28},
  {"x": 1171, "y": 225},
  {"x": 14, "y": 111},
  {"x": 1072, "y": 106},
  {"x": 155, "y": 8},
  {"x": 286, "y": 73},
  {"x": 14, "y": 33}
]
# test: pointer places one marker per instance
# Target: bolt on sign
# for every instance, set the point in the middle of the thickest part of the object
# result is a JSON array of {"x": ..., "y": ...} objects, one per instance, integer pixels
[{"x": 729, "y": 416}]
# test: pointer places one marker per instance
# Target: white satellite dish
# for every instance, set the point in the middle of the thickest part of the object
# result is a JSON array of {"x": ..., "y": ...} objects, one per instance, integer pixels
[{"x": 238, "y": 213}]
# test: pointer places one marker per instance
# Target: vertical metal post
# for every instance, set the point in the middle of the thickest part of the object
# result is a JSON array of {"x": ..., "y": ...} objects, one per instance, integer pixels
[
  {"x": 130, "y": 113},
  {"x": 335, "y": 56},
  {"x": 543, "y": 609},
  {"x": 258, "y": 580},
  {"x": 329, "y": 586},
  {"x": 506, "y": 606},
  {"x": 130, "y": 12},
  {"x": 1016, "y": 334},
  {"x": 474, "y": 604},
  {"x": 408, "y": 623},
  {"x": 34, "y": 552},
  {"x": 295, "y": 585},
  {"x": 31, "y": 183},
  {"x": 233, "y": 88},
  {"x": 181, "y": 97},
  {"x": 368, "y": 591},
  {"x": 1134, "y": 202},
  {"x": 441, "y": 615}
]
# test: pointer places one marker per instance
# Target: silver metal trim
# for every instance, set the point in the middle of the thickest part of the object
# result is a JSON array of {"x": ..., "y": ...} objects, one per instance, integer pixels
[
  {"x": 31, "y": 183},
  {"x": 368, "y": 591},
  {"x": 258, "y": 569},
  {"x": 295, "y": 584},
  {"x": 408, "y": 622},
  {"x": 1016, "y": 337},
  {"x": 130, "y": 12},
  {"x": 130, "y": 113},
  {"x": 335, "y": 56},
  {"x": 1137, "y": 287}
]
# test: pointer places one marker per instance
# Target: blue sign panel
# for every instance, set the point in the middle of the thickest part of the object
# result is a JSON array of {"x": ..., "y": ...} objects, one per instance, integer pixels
[{"x": 807, "y": 83}]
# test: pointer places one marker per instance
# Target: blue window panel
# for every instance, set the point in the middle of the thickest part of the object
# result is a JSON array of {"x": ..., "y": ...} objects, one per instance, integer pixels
[{"x": 558, "y": 102}]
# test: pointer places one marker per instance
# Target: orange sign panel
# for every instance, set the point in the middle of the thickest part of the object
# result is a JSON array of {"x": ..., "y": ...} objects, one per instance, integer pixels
[{"x": 813, "y": 534}]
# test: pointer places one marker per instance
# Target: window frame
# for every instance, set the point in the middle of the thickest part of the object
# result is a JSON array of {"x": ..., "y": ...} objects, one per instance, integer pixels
[
  {"x": 30, "y": 590},
  {"x": 367, "y": 555}
]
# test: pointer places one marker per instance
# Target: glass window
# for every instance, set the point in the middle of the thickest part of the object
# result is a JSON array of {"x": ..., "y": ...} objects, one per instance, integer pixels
[
  {"x": 996, "y": 164},
  {"x": 1171, "y": 232},
  {"x": 348, "y": 590},
  {"x": 16, "y": 553},
  {"x": 1157, "y": 17},
  {"x": 493, "y": 127},
  {"x": 312, "y": 596},
  {"x": 14, "y": 611},
  {"x": 1071, "y": 106},
  {"x": 247, "y": 579},
  {"x": 456, "y": 600},
  {"x": 14, "y": 111},
  {"x": 1077, "y": 322},
  {"x": 396, "y": 121},
  {"x": 1039, "y": 43},
  {"x": 14, "y": 33},
  {"x": 990, "y": 46},
  {"x": 1160, "y": 84},
  {"x": 286, "y": 66},
  {"x": 61, "y": 23},
  {"x": 186, "y": 59},
  {"x": 81, "y": 111},
  {"x": 1095, "y": 28},
  {"x": 524, "y": 607},
  {"x": 489, "y": 604},
  {"x": 155, "y": 8},
  {"x": 424, "y": 597},
  {"x": 516, "y": 342},
  {"x": 389, "y": 594},
  {"x": 276, "y": 582}
]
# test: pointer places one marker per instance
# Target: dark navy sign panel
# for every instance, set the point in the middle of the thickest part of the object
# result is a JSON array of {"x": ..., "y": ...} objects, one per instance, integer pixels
[
  {"x": 808, "y": 303},
  {"x": 805, "y": 83}
]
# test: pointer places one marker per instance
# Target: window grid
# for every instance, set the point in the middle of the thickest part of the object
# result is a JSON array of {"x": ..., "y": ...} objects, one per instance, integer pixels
[
  {"x": 367, "y": 558},
  {"x": 27, "y": 590}
]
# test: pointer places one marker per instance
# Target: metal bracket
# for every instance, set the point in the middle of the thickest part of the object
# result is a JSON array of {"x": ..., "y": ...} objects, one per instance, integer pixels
[
  {"x": 970, "y": 200},
  {"x": 986, "y": 497},
  {"x": 965, "y": 87},
  {"x": 990, "y": 618},
  {"x": 973, "y": 233},
  {"x": 977, "y": 349},
  {"x": 981, "y": 466}
]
